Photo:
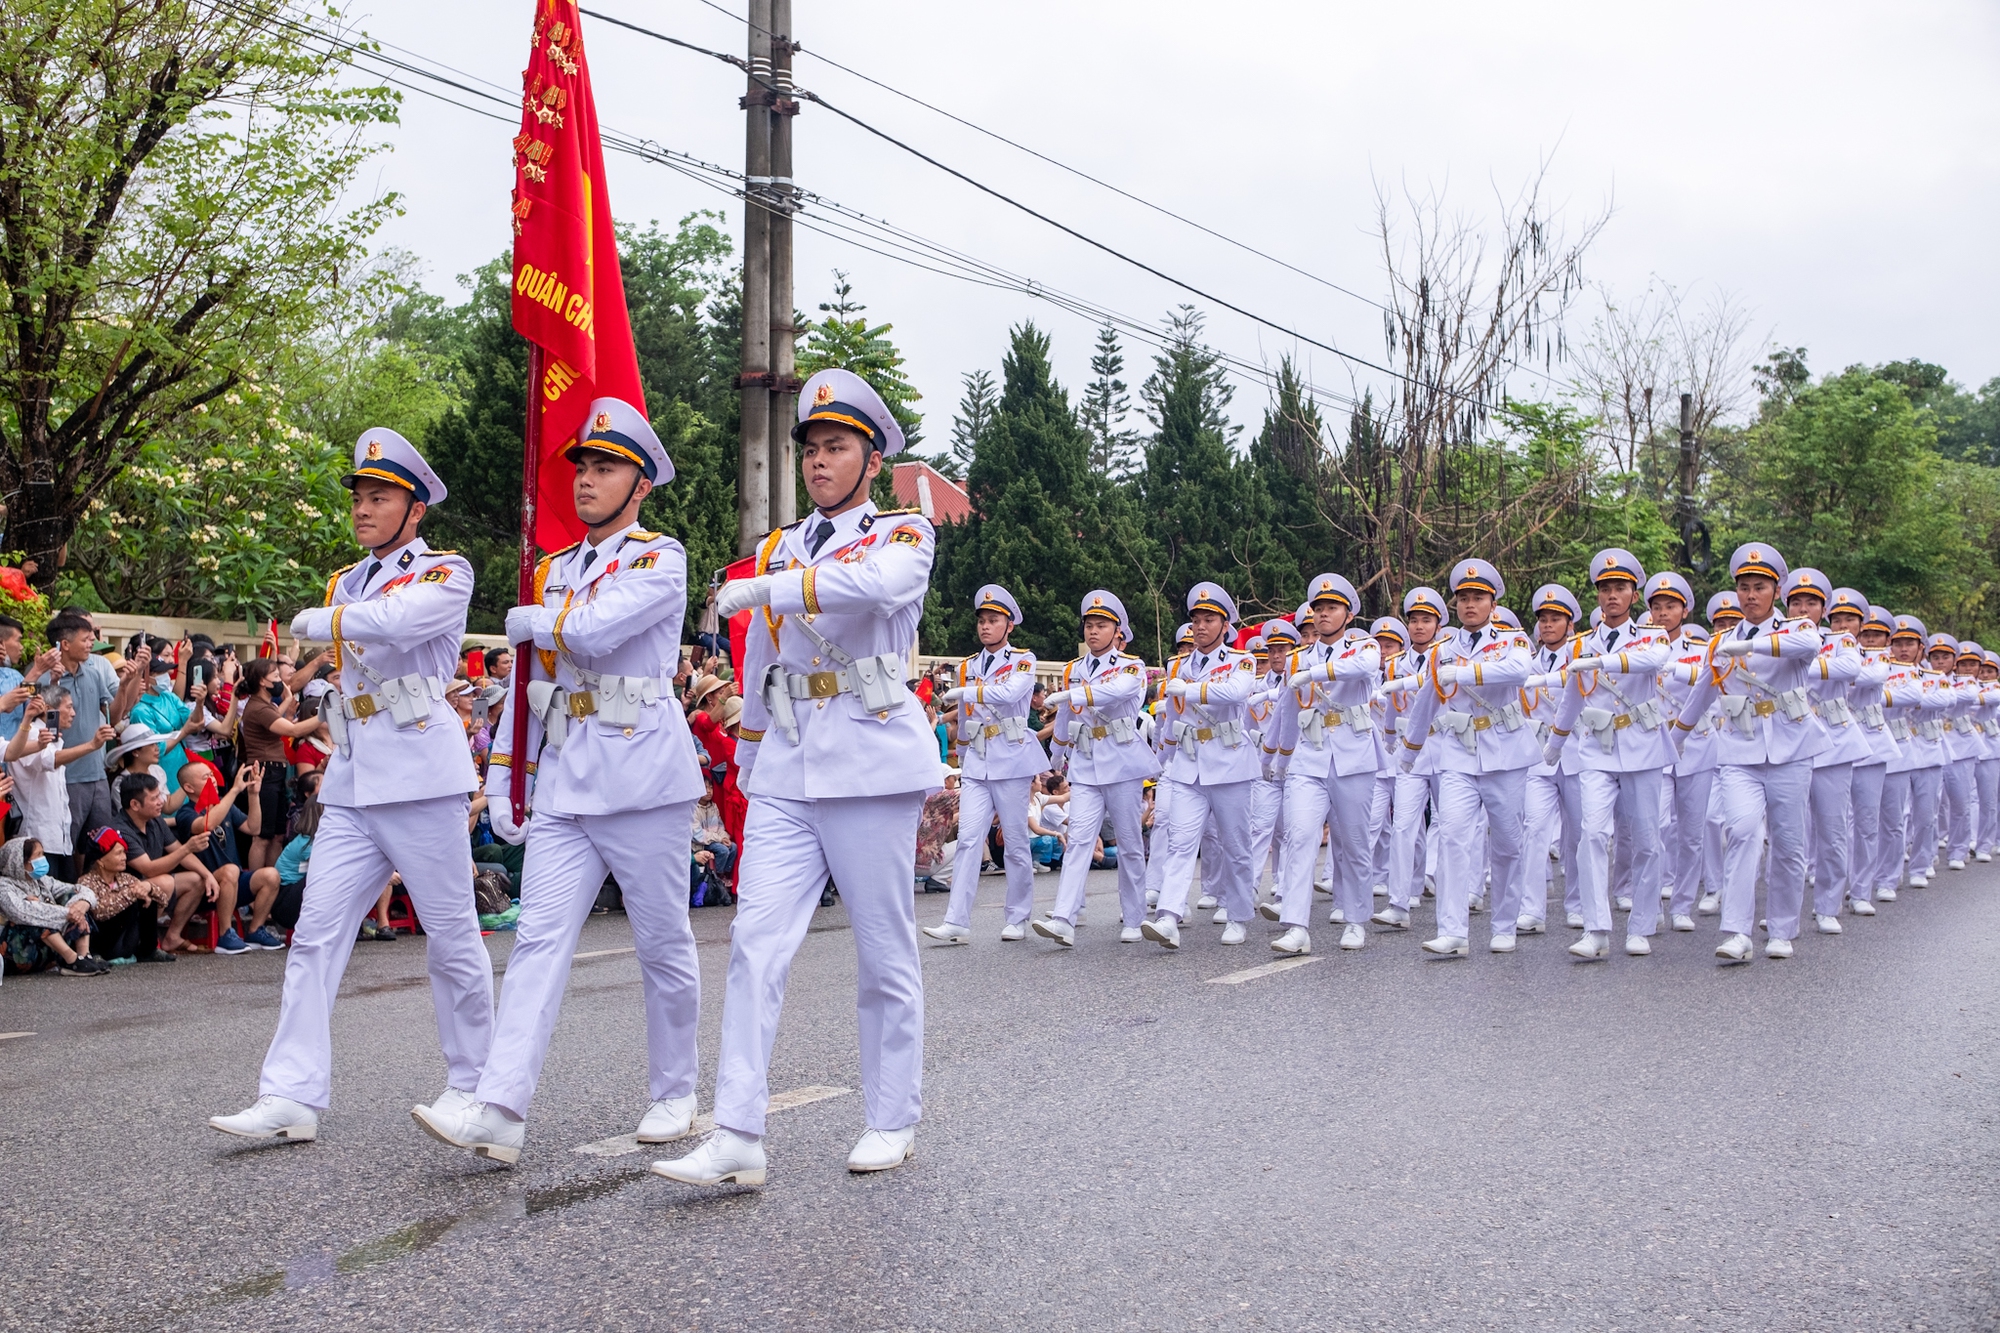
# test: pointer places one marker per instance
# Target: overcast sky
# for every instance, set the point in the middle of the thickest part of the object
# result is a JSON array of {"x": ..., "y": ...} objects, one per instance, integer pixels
[{"x": 1833, "y": 167}]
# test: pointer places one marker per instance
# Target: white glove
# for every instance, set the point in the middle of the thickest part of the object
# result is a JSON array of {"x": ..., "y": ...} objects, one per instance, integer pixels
[
  {"x": 500, "y": 806},
  {"x": 1407, "y": 760},
  {"x": 1585, "y": 664},
  {"x": 739, "y": 595},
  {"x": 299, "y": 624},
  {"x": 1056, "y": 700},
  {"x": 950, "y": 697},
  {"x": 1447, "y": 674},
  {"x": 1552, "y": 752},
  {"x": 1400, "y": 685},
  {"x": 1548, "y": 682},
  {"x": 522, "y": 622},
  {"x": 1175, "y": 688},
  {"x": 1735, "y": 647}
]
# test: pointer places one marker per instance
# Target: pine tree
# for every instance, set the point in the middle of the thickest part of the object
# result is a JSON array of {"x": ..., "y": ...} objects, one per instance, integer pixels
[
  {"x": 1288, "y": 468},
  {"x": 845, "y": 339},
  {"x": 975, "y": 410},
  {"x": 1113, "y": 450}
]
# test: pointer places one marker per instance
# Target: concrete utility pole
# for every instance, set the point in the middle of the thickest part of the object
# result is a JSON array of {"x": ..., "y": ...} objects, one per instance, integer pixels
[
  {"x": 766, "y": 494},
  {"x": 1684, "y": 500}
]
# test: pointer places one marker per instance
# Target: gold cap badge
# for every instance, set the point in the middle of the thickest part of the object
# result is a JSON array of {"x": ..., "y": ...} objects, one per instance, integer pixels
[
  {"x": 374, "y": 448},
  {"x": 823, "y": 395},
  {"x": 603, "y": 421}
]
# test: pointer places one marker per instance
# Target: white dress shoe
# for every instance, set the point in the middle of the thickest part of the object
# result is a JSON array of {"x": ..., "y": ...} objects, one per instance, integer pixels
[
  {"x": 1885, "y": 895},
  {"x": 1057, "y": 929},
  {"x": 1014, "y": 930},
  {"x": 1529, "y": 925},
  {"x": 1130, "y": 935},
  {"x": 1152, "y": 897},
  {"x": 451, "y": 1100},
  {"x": 1293, "y": 941},
  {"x": 1982, "y": 857},
  {"x": 1233, "y": 933},
  {"x": 1591, "y": 945},
  {"x": 1777, "y": 948},
  {"x": 1710, "y": 904},
  {"x": 882, "y": 1150},
  {"x": 1954, "y": 865},
  {"x": 1336, "y": 917},
  {"x": 1861, "y": 906},
  {"x": 271, "y": 1117},
  {"x": 1355, "y": 936},
  {"x": 1163, "y": 930},
  {"x": 1624, "y": 904},
  {"x": 949, "y": 934},
  {"x": 1500, "y": 944},
  {"x": 1270, "y": 911},
  {"x": 1205, "y": 902},
  {"x": 1395, "y": 918},
  {"x": 1682, "y": 921},
  {"x": 1574, "y": 920},
  {"x": 1078, "y": 923},
  {"x": 1667, "y": 891},
  {"x": 668, "y": 1119},
  {"x": 1735, "y": 949},
  {"x": 1381, "y": 890},
  {"x": 1476, "y": 905},
  {"x": 477, "y": 1126},
  {"x": 1221, "y": 917},
  {"x": 1323, "y": 887},
  {"x": 724, "y": 1157},
  {"x": 1828, "y": 925},
  {"x": 1448, "y": 946},
  {"x": 1919, "y": 880},
  {"x": 1638, "y": 946}
]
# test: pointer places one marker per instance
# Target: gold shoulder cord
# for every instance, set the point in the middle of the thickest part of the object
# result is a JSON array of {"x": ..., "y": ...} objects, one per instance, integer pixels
[{"x": 764, "y": 555}]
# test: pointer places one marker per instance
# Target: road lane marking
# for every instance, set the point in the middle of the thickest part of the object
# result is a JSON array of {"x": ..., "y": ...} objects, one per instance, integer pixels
[
  {"x": 604, "y": 953},
  {"x": 1267, "y": 970},
  {"x": 9, "y": 1036},
  {"x": 622, "y": 1144}
]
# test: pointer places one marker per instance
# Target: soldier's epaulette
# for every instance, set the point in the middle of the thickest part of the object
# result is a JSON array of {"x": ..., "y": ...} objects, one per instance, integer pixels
[
  {"x": 891, "y": 513},
  {"x": 557, "y": 555},
  {"x": 639, "y": 535},
  {"x": 439, "y": 550},
  {"x": 333, "y": 581}
]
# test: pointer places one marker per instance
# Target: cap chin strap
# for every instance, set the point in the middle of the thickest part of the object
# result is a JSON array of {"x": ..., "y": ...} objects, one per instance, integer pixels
[
  {"x": 409, "y": 505},
  {"x": 860, "y": 481}
]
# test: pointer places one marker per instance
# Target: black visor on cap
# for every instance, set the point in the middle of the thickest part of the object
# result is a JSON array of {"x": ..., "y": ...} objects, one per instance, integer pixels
[{"x": 841, "y": 414}]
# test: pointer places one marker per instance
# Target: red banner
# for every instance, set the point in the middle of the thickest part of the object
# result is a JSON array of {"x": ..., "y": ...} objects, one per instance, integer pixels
[{"x": 569, "y": 297}]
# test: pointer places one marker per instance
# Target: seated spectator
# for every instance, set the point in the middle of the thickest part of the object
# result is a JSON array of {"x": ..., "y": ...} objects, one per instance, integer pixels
[
  {"x": 138, "y": 751},
  {"x": 171, "y": 867},
  {"x": 1048, "y": 821},
  {"x": 36, "y": 757},
  {"x": 128, "y": 908},
  {"x": 48, "y": 922},
  {"x": 375, "y": 926},
  {"x": 279, "y": 891},
  {"x": 714, "y": 852},
  {"x": 937, "y": 834},
  {"x": 312, "y": 750},
  {"x": 206, "y": 811}
]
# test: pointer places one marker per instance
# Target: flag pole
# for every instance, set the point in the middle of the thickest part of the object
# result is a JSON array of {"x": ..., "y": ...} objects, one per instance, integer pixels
[{"x": 524, "y": 653}]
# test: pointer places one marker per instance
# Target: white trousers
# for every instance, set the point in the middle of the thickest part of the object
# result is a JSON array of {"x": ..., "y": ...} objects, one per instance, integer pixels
[
  {"x": 1088, "y": 806},
  {"x": 1633, "y": 800},
  {"x": 1688, "y": 856},
  {"x": 1309, "y": 802},
  {"x": 562, "y": 870},
  {"x": 1541, "y": 829},
  {"x": 1381, "y": 807},
  {"x": 1864, "y": 823},
  {"x": 979, "y": 799},
  {"x": 1926, "y": 791},
  {"x": 868, "y": 844},
  {"x": 1267, "y": 818},
  {"x": 1226, "y": 876},
  {"x": 1895, "y": 825},
  {"x": 1987, "y": 777},
  {"x": 1747, "y": 798},
  {"x": 354, "y": 853},
  {"x": 1832, "y": 804},
  {"x": 1959, "y": 794},
  {"x": 1156, "y": 854},
  {"x": 1407, "y": 837},
  {"x": 1473, "y": 807}
]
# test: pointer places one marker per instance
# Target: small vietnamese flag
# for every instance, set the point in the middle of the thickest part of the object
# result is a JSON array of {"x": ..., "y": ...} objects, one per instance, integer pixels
[{"x": 269, "y": 646}]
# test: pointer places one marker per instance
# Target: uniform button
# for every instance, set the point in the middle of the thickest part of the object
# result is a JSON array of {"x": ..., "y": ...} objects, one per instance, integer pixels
[
  {"x": 815, "y": 661},
  {"x": 820, "y": 704}
]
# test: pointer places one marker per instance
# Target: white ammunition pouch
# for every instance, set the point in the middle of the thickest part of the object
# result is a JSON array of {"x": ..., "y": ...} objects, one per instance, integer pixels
[
  {"x": 1899, "y": 729},
  {"x": 1647, "y": 715},
  {"x": 336, "y": 727},
  {"x": 1835, "y": 712},
  {"x": 1963, "y": 725},
  {"x": 1991, "y": 726},
  {"x": 1229, "y": 732},
  {"x": 876, "y": 681},
  {"x": 1604, "y": 725},
  {"x": 543, "y": 702},
  {"x": 1744, "y": 711},
  {"x": 1312, "y": 728},
  {"x": 1796, "y": 703},
  {"x": 1123, "y": 731},
  {"x": 1358, "y": 719},
  {"x": 1543, "y": 730},
  {"x": 1931, "y": 729},
  {"x": 1872, "y": 717},
  {"x": 406, "y": 699},
  {"x": 1510, "y": 718},
  {"x": 1464, "y": 726}
]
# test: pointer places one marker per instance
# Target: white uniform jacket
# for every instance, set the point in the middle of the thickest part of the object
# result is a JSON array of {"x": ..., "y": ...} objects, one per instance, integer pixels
[
  {"x": 1766, "y": 709},
  {"x": 863, "y": 593},
  {"x": 404, "y": 626},
  {"x": 1986, "y": 716},
  {"x": 1543, "y": 703},
  {"x": 1212, "y": 741},
  {"x": 609, "y": 643},
  {"x": 1864, "y": 700},
  {"x": 1264, "y": 707},
  {"x": 996, "y": 739},
  {"x": 1830, "y": 680},
  {"x": 1961, "y": 737},
  {"x": 1099, "y": 728},
  {"x": 1325, "y": 728},
  {"x": 1687, "y": 663},
  {"x": 1394, "y": 715},
  {"x": 1620, "y": 704},
  {"x": 1477, "y": 724}
]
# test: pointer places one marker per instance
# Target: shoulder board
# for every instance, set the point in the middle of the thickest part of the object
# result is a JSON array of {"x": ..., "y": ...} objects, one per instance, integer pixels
[
  {"x": 793, "y": 524},
  {"x": 885, "y": 513},
  {"x": 556, "y": 555},
  {"x": 640, "y": 535},
  {"x": 438, "y": 550},
  {"x": 333, "y": 581}
]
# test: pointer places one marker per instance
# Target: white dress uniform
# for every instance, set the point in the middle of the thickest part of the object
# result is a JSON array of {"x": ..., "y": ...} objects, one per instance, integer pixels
[
  {"x": 1542, "y": 805},
  {"x": 1988, "y": 717},
  {"x": 999, "y": 759},
  {"x": 1332, "y": 753},
  {"x": 1484, "y": 748},
  {"x": 1163, "y": 751},
  {"x": 1108, "y": 762},
  {"x": 394, "y": 797},
  {"x": 1412, "y": 848},
  {"x": 1833, "y": 768},
  {"x": 1864, "y": 708},
  {"x": 614, "y": 784},
  {"x": 1692, "y": 852},
  {"x": 836, "y": 759},
  {"x": 1962, "y": 747},
  {"x": 1904, "y": 705},
  {"x": 1766, "y": 739},
  {"x": 1267, "y": 798},
  {"x": 1615, "y": 710},
  {"x": 1392, "y": 639},
  {"x": 1214, "y": 763},
  {"x": 1925, "y": 746}
]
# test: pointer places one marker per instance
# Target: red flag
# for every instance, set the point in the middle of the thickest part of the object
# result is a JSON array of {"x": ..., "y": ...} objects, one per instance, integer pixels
[
  {"x": 269, "y": 646},
  {"x": 569, "y": 297}
]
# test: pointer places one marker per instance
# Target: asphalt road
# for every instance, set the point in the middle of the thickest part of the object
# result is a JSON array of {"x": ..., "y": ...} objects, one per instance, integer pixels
[{"x": 1366, "y": 1141}]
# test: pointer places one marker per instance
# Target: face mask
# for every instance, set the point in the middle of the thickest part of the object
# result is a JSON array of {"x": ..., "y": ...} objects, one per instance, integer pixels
[
  {"x": 40, "y": 865},
  {"x": 163, "y": 684}
]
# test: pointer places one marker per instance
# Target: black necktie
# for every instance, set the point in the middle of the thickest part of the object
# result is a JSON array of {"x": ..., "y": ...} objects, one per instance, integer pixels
[
  {"x": 1748, "y": 631},
  {"x": 588, "y": 557},
  {"x": 819, "y": 536},
  {"x": 1093, "y": 667},
  {"x": 374, "y": 568},
  {"x": 985, "y": 662}
]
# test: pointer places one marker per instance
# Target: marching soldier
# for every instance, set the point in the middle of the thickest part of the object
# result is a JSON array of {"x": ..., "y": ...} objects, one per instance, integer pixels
[
  {"x": 1807, "y": 594},
  {"x": 1392, "y": 640},
  {"x": 1410, "y": 848},
  {"x": 1278, "y": 640},
  {"x": 1210, "y": 774},
  {"x": 1470, "y": 693},
  {"x": 1163, "y": 749},
  {"x": 1612, "y": 703},
  {"x": 1097, "y": 739},
  {"x": 1691, "y": 854},
  {"x": 836, "y": 759},
  {"x": 614, "y": 785},
  {"x": 1905, "y": 705},
  {"x": 1544, "y": 820},
  {"x": 394, "y": 797},
  {"x": 1765, "y": 743},
  {"x": 1871, "y": 626},
  {"x": 999, "y": 758},
  {"x": 1963, "y": 746}
]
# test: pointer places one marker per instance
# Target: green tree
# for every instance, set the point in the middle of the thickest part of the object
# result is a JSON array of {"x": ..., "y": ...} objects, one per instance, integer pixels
[
  {"x": 173, "y": 213},
  {"x": 975, "y": 410},
  {"x": 1113, "y": 449},
  {"x": 1287, "y": 469}
]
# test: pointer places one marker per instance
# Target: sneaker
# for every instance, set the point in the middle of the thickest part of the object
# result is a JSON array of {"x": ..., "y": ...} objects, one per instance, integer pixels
[
  {"x": 231, "y": 942},
  {"x": 80, "y": 968},
  {"x": 264, "y": 938},
  {"x": 158, "y": 956}
]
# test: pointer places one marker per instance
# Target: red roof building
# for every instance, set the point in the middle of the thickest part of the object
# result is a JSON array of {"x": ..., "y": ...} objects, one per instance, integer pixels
[{"x": 922, "y": 487}]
